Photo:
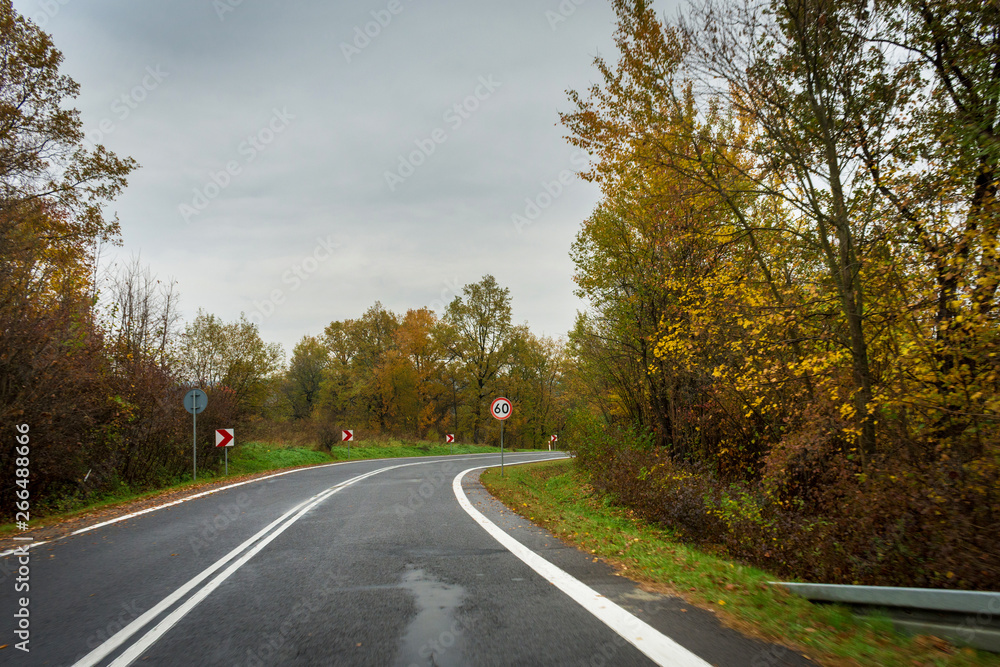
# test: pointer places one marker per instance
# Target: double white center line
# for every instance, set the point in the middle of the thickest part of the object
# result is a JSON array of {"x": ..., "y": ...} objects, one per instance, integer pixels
[{"x": 233, "y": 559}]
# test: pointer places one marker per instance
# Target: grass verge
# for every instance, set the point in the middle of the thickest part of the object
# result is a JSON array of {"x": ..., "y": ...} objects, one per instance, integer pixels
[
  {"x": 246, "y": 459},
  {"x": 558, "y": 496},
  {"x": 372, "y": 449}
]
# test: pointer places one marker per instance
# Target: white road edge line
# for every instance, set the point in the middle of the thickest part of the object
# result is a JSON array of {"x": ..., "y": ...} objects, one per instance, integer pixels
[
  {"x": 654, "y": 644},
  {"x": 202, "y": 494}
]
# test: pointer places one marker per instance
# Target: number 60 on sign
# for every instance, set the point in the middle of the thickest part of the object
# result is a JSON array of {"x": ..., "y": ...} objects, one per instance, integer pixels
[{"x": 501, "y": 408}]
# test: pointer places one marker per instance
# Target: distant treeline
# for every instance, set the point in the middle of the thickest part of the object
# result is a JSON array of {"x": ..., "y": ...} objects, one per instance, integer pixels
[{"x": 422, "y": 376}]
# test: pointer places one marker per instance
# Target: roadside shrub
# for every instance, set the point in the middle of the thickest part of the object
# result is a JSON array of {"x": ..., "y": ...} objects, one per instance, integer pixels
[
  {"x": 902, "y": 523},
  {"x": 329, "y": 436},
  {"x": 52, "y": 378}
]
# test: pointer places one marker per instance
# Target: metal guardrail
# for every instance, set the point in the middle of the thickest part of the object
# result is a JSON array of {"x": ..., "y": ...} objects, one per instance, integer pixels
[{"x": 966, "y": 618}]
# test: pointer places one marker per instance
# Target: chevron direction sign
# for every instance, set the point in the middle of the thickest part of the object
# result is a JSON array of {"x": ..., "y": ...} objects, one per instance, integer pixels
[{"x": 224, "y": 437}]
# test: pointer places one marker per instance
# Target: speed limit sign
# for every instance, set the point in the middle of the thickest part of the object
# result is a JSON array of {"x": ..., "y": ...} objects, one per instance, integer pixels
[{"x": 500, "y": 408}]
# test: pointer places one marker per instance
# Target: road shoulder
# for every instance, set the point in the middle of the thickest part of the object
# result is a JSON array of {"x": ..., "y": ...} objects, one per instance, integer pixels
[{"x": 697, "y": 630}]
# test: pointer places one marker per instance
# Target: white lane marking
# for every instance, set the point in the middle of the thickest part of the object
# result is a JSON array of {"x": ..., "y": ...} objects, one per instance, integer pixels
[
  {"x": 217, "y": 490},
  {"x": 120, "y": 637},
  {"x": 654, "y": 644},
  {"x": 137, "y": 649}
]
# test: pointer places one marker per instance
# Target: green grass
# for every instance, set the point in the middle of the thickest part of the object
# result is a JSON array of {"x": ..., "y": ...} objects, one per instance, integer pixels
[
  {"x": 256, "y": 457},
  {"x": 373, "y": 449},
  {"x": 244, "y": 459},
  {"x": 558, "y": 496}
]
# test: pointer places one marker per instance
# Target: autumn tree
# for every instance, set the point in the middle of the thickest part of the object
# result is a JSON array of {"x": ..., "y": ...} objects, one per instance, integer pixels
[
  {"x": 806, "y": 76},
  {"x": 369, "y": 380},
  {"x": 139, "y": 312},
  {"x": 378, "y": 376},
  {"x": 754, "y": 154},
  {"x": 533, "y": 382},
  {"x": 938, "y": 183},
  {"x": 305, "y": 375},
  {"x": 482, "y": 341},
  {"x": 216, "y": 354},
  {"x": 418, "y": 340},
  {"x": 661, "y": 228},
  {"x": 42, "y": 156},
  {"x": 52, "y": 194}
]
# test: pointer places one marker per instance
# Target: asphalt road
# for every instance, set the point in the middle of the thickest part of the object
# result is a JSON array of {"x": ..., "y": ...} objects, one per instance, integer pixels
[{"x": 363, "y": 563}]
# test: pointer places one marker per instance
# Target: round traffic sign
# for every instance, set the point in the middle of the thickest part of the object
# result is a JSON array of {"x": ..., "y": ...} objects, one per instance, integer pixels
[
  {"x": 501, "y": 408},
  {"x": 195, "y": 401}
]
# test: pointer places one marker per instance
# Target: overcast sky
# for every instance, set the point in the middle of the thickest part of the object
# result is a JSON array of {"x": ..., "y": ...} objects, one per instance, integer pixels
[{"x": 298, "y": 169}]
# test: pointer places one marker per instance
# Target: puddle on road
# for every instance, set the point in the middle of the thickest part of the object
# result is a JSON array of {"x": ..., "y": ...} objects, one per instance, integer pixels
[{"x": 434, "y": 637}]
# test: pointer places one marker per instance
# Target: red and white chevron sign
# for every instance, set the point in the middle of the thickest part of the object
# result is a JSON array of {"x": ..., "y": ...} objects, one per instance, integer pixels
[
  {"x": 224, "y": 437},
  {"x": 449, "y": 437},
  {"x": 348, "y": 436},
  {"x": 553, "y": 438}
]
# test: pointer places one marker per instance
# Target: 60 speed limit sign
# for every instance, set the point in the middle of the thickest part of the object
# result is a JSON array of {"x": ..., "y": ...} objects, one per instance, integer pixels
[{"x": 500, "y": 408}]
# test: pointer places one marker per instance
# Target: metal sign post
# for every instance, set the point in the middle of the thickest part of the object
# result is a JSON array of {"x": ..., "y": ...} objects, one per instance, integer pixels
[
  {"x": 501, "y": 449},
  {"x": 501, "y": 409},
  {"x": 195, "y": 401}
]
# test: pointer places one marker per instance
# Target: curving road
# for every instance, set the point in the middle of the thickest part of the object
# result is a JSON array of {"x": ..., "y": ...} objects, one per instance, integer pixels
[{"x": 391, "y": 562}]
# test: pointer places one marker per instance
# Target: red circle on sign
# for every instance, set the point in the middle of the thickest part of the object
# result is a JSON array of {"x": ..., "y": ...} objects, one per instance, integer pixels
[{"x": 501, "y": 408}]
